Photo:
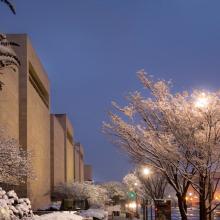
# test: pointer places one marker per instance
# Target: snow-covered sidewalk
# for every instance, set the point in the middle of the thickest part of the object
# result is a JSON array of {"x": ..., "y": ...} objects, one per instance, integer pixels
[
  {"x": 97, "y": 213},
  {"x": 66, "y": 215},
  {"x": 59, "y": 216}
]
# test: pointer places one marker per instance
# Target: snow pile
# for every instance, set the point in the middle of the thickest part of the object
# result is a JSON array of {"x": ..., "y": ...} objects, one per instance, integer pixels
[
  {"x": 11, "y": 207},
  {"x": 59, "y": 216},
  {"x": 97, "y": 213},
  {"x": 115, "y": 208},
  {"x": 56, "y": 205}
]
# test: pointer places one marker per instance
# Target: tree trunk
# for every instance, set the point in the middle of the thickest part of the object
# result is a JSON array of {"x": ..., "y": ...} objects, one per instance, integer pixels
[
  {"x": 185, "y": 205},
  {"x": 202, "y": 209},
  {"x": 182, "y": 206},
  {"x": 202, "y": 199}
]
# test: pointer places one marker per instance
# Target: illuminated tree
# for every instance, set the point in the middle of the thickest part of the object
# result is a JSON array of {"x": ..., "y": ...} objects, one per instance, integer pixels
[
  {"x": 153, "y": 183},
  {"x": 134, "y": 186},
  {"x": 177, "y": 134}
]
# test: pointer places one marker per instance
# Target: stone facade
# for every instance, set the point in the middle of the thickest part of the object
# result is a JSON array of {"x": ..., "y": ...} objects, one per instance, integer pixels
[
  {"x": 68, "y": 147},
  {"x": 9, "y": 99},
  {"x": 34, "y": 119},
  {"x": 88, "y": 174},
  {"x": 25, "y": 115},
  {"x": 79, "y": 162},
  {"x": 57, "y": 167}
]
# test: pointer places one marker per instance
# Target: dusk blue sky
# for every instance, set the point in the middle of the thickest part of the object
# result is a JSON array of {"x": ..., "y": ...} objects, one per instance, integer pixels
[{"x": 92, "y": 49}]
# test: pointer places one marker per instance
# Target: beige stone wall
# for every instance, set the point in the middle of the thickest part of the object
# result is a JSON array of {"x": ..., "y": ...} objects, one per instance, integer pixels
[
  {"x": 38, "y": 135},
  {"x": 68, "y": 147},
  {"x": 88, "y": 175},
  {"x": 20, "y": 106},
  {"x": 69, "y": 162},
  {"x": 69, "y": 152},
  {"x": 79, "y": 162},
  {"x": 21, "y": 52},
  {"x": 38, "y": 141},
  {"x": 34, "y": 121},
  {"x": 76, "y": 164},
  {"x": 9, "y": 111},
  {"x": 28, "y": 95},
  {"x": 57, "y": 153}
]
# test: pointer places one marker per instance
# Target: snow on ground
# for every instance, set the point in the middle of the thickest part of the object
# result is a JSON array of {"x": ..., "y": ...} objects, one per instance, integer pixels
[
  {"x": 97, "y": 213},
  {"x": 59, "y": 216}
]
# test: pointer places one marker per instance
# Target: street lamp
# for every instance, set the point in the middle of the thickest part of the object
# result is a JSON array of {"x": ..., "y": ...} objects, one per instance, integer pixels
[
  {"x": 146, "y": 171},
  {"x": 202, "y": 101}
]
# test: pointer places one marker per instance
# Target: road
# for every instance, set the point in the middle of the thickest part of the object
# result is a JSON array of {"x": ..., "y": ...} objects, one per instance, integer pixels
[{"x": 193, "y": 214}]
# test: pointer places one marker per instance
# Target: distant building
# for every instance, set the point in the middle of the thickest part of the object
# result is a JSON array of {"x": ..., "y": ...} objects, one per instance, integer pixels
[
  {"x": 88, "y": 173},
  {"x": 79, "y": 162},
  {"x": 33, "y": 118}
]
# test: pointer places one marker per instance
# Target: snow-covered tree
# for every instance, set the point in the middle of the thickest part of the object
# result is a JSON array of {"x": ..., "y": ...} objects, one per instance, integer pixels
[
  {"x": 147, "y": 187},
  {"x": 153, "y": 185},
  {"x": 133, "y": 183},
  {"x": 8, "y": 58},
  {"x": 178, "y": 134},
  {"x": 95, "y": 194},
  {"x": 9, "y": 4},
  {"x": 15, "y": 163},
  {"x": 116, "y": 191}
]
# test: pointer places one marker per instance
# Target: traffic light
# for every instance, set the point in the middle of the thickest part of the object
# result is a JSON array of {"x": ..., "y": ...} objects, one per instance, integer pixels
[{"x": 132, "y": 195}]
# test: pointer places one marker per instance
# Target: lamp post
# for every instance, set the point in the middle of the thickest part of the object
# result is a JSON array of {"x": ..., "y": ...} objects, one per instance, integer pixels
[
  {"x": 136, "y": 198},
  {"x": 146, "y": 172},
  {"x": 202, "y": 102}
]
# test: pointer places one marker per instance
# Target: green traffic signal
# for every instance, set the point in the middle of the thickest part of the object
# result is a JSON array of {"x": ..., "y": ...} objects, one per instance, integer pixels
[{"x": 132, "y": 195}]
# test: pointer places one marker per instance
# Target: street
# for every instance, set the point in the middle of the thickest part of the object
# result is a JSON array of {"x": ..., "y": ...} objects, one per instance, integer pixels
[{"x": 193, "y": 214}]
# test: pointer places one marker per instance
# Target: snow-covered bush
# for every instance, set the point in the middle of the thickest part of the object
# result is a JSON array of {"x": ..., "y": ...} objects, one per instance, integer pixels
[
  {"x": 11, "y": 207},
  {"x": 95, "y": 194},
  {"x": 59, "y": 216},
  {"x": 15, "y": 163}
]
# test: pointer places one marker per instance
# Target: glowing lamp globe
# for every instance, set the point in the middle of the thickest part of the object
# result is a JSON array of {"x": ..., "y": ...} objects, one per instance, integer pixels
[
  {"x": 202, "y": 101},
  {"x": 146, "y": 171}
]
